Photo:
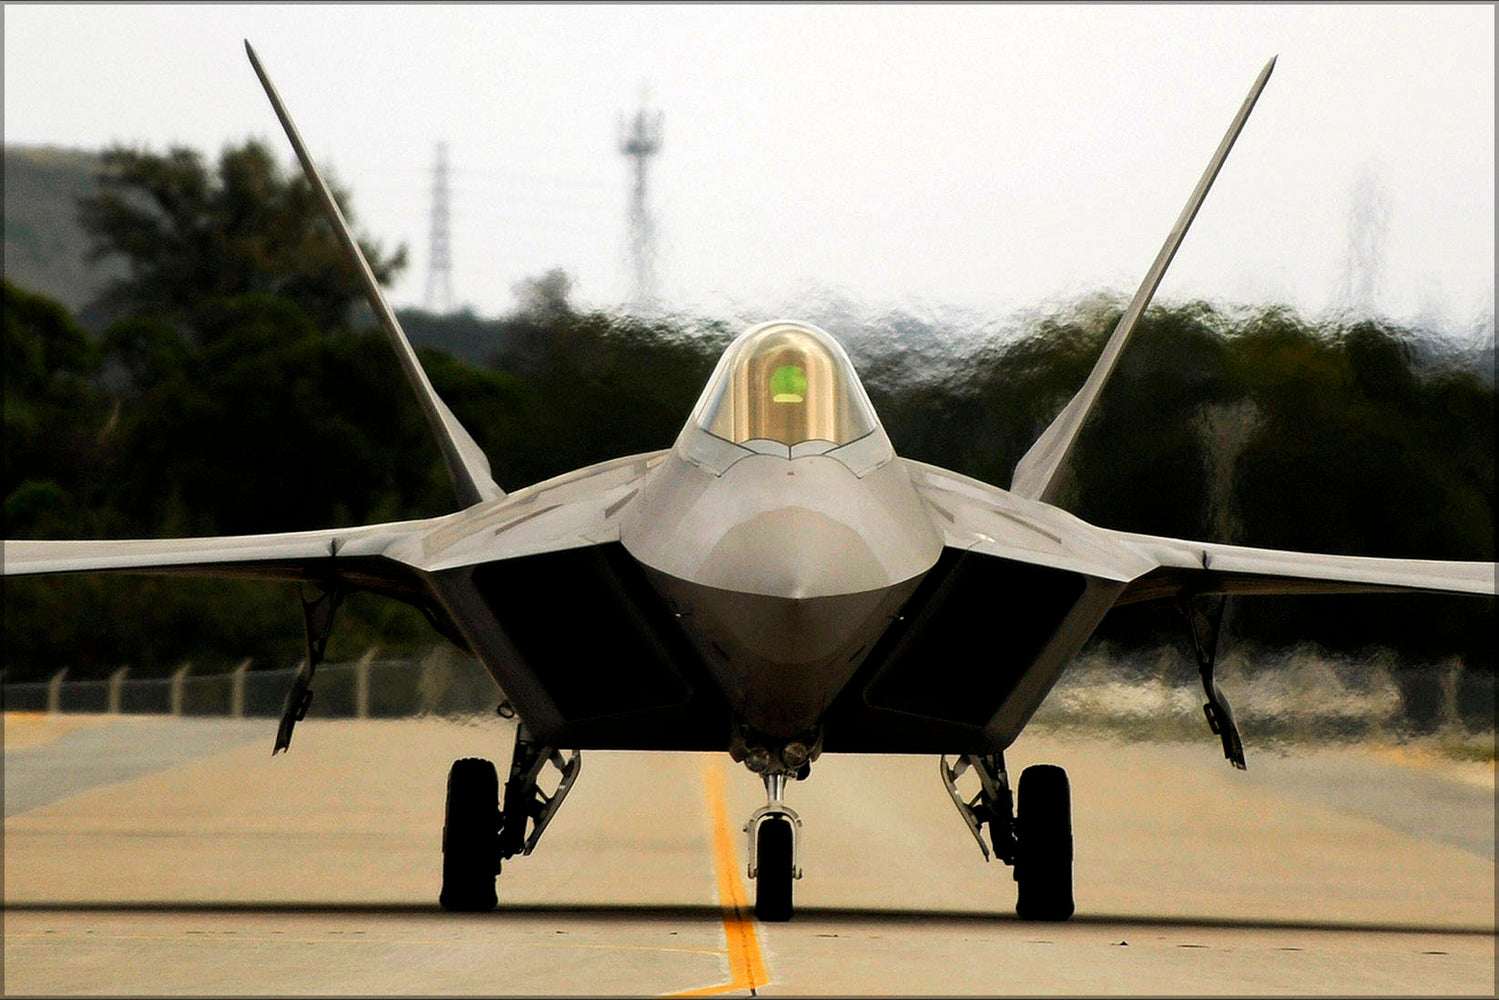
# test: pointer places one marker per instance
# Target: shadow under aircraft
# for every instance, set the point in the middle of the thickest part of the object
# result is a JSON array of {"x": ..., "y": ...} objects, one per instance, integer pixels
[{"x": 777, "y": 584}]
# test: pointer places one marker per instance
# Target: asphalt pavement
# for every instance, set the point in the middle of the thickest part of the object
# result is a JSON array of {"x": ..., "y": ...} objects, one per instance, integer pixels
[{"x": 152, "y": 855}]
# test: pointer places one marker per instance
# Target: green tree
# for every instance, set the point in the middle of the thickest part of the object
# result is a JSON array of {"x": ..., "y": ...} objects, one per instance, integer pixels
[
  {"x": 191, "y": 235},
  {"x": 55, "y": 414}
]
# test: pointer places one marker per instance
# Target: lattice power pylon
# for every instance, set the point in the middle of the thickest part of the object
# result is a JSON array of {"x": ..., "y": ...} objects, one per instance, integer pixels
[
  {"x": 640, "y": 140},
  {"x": 439, "y": 296},
  {"x": 1368, "y": 225}
]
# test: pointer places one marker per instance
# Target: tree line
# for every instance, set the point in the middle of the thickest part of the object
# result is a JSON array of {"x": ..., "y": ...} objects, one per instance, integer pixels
[{"x": 239, "y": 387}]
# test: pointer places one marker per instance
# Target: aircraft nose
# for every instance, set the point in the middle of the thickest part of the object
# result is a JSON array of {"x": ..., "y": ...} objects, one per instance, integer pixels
[
  {"x": 793, "y": 552},
  {"x": 787, "y": 601}
]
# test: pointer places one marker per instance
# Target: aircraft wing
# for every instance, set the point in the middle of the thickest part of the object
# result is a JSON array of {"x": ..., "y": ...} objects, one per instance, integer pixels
[
  {"x": 568, "y": 512},
  {"x": 320, "y": 556},
  {"x": 1214, "y": 568},
  {"x": 977, "y": 517}
]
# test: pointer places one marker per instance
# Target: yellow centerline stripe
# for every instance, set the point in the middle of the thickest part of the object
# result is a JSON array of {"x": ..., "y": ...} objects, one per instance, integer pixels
[{"x": 746, "y": 965}]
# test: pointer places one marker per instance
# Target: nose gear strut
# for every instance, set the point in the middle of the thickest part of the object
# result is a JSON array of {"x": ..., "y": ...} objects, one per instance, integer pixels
[
  {"x": 775, "y": 788},
  {"x": 774, "y": 832}
]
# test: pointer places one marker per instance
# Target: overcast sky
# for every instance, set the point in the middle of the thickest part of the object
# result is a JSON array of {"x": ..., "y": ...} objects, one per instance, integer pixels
[{"x": 981, "y": 156}]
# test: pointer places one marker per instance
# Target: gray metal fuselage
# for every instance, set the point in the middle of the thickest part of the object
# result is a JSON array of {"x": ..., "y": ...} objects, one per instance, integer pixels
[
  {"x": 789, "y": 592},
  {"x": 783, "y": 572}
]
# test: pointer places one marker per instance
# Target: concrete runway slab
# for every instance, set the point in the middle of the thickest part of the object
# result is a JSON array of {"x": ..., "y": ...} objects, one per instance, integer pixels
[{"x": 224, "y": 870}]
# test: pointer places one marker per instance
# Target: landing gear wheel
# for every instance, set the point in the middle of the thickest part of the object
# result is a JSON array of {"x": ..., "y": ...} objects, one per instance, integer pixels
[
  {"x": 1043, "y": 844},
  {"x": 775, "y": 870},
  {"x": 470, "y": 837}
]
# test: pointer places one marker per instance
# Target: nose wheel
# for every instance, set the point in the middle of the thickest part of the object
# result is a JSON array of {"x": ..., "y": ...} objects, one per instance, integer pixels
[
  {"x": 774, "y": 835},
  {"x": 776, "y": 870}
]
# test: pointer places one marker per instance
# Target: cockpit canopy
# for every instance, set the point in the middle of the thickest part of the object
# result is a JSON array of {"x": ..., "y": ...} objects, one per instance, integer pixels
[
  {"x": 785, "y": 388},
  {"x": 788, "y": 383}
]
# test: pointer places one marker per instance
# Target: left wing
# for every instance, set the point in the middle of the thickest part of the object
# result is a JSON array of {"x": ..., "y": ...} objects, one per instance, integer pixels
[{"x": 977, "y": 517}]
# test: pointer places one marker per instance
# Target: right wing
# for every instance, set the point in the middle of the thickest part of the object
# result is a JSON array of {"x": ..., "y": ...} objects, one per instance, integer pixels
[
  {"x": 575, "y": 510},
  {"x": 1038, "y": 473},
  {"x": 360, "y": 556},
  {"x": 467, "y": 465}
]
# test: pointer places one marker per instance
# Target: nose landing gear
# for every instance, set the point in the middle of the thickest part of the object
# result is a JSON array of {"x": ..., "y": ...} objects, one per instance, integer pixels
[{"x": 774, "y": 832}]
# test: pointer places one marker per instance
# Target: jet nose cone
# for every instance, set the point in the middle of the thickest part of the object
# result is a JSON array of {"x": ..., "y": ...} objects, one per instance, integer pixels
[{"x": 793, "y": 552}]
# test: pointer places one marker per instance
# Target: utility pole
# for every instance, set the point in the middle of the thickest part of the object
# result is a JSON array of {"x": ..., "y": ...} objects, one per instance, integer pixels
[
  {"x": 639, "y": 141},
  {"x": 439, "y": 296}
]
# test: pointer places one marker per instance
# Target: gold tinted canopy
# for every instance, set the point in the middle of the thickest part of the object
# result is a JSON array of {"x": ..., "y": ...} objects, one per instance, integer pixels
[{"x": 788, "y": 383}]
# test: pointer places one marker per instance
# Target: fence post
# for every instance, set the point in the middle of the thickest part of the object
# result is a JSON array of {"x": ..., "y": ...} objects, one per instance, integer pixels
[
  {"x": 434, "y": 682},
  {"x": 177, "y": 681},
  {"x": 362, "y": 683},
  {"x": 237, "y": 691},
  {"x": 1449, "y": 682},
  {"x": 54, "y": 691},
  {"x": 116, "y": 687}
]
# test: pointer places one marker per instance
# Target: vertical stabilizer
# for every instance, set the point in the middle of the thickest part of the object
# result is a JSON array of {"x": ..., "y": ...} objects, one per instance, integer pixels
[
  {"x": 467, "y": 466},
  {"x": 1039, "y": 471}
]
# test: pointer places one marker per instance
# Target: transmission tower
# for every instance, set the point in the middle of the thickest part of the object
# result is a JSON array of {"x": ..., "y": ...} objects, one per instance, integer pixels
[
  {"x": 440, "y": 270},
  {"x": 1368, "y": 225},
  {"x": 640, "y": 140}
]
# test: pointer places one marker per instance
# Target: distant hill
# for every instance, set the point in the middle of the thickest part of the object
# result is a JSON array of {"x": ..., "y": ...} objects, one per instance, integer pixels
[{"x": 45, "y": 247}]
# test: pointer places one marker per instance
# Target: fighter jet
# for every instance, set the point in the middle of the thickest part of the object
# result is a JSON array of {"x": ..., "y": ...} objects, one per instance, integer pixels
[{"x": 778, "y": 584}]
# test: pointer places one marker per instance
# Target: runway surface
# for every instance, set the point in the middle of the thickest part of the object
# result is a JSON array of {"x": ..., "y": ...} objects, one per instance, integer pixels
[{"x": 151, "y": 855}]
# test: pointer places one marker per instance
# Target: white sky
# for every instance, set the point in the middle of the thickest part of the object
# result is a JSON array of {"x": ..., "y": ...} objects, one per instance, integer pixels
[{"x": 979, "y": 156}]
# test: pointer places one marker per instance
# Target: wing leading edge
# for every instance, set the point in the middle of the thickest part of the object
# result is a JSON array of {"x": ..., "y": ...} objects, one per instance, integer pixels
[
  {"x": 569, "y": 511},
  {"x": 295, "y": 555},
  {"x": 1213, "y": 568},
  {"x": 977, "y": 517}
]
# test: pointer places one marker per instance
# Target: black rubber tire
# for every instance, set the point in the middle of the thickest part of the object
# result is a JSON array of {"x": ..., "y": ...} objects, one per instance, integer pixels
[
  {"x": 1043, "y": 844},
  {"x": 470, "y": 837},
  {"x": 773, "y": 857}
]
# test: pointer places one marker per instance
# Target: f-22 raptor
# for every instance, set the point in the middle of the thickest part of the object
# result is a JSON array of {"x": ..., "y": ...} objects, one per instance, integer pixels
[{"x": 778, "y": 584}]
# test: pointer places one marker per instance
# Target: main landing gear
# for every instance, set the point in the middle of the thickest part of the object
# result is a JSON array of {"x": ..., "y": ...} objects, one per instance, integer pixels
[
  {"x": 1036, "y": 842},
  {"x": 480, "y": 831}
]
